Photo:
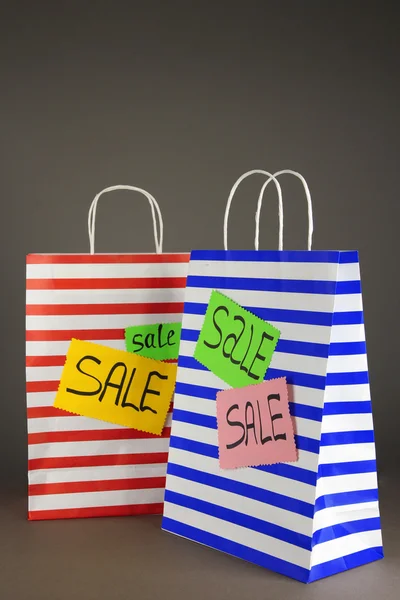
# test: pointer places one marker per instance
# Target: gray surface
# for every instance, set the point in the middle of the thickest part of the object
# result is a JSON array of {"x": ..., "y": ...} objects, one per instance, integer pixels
[
  {"x": 181, "y": 98},
  {"x": 129, "y": 557}
]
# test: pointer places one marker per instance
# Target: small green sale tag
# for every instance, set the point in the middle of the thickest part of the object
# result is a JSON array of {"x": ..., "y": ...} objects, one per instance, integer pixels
[
  {"x": 234, "y": 344},
  {"x": 159, "y": 341}
]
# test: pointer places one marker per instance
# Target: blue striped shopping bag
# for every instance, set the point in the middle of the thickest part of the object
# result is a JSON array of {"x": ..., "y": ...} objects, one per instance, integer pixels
[{"x": 307, "y": 519}]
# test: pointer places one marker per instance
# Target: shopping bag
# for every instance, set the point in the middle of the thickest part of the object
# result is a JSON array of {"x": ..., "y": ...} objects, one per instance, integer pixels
[
  {"x": 317, "y": 515},
  {"x": 86, "y": 467}
]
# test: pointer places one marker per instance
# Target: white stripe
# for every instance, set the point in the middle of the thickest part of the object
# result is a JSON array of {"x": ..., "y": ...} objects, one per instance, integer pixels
[
  {"x": 346, "y": 483},
  {"x": 347, "y": 393},
  {"x": 49, "y": 424},
  {"x": 95, "y": 448},
  {"x": 343, "y": 546},
  {"x": 348, "y": 302},
  {"x": 272, "y": 270},
  {"x": 93, "y": 499},
  {"x": 343, "y": 514},
  {"x": 347, "y": 333},
  {"x": 289, "y": 331},
  {"x": 43, "y": 373},
  {"x": 303, "y": 427},
  {"x": 246, "y": 506},
  {"x": 256, "y": 477},
  {"x": 96, "y": 473},
  {"x": 61, "y": 348},
  {"x": 239, "y": 534},
  {"x": 298, "y": 394},
  {"x": 346, "y": 453},
  {"x": 63, "y": 322},
  {"x": 105, "y": 270},
  {"x": 124, "y": 296},
  {"x": 36, "y": 399},
  {"x": 347, "y": 364},
  {"x": 348, "y": 272},
  {"x": 280, "y": 360},
  {"x": 336, "y": 423},
  {"x": 261, "y": 299}
]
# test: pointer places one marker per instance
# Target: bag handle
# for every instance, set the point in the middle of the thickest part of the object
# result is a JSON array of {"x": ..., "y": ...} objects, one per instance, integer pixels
[
  {"x": 158, "y": 234},
  {"x": 309, "y": 206},
  {"x": 280, "y": 205}
]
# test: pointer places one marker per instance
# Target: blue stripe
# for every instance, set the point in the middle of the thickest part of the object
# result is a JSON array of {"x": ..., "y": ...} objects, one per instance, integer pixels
[
  {"x": 281, "y": 315},
  {"x": 348, "y": 256},
  {"x": 306, "y": 256},
  {"x": 290, "y": 472},
  {"x": 198, "y": 391},
  {"x": 286, "y": 346},
  {"x": 347, "y": 468},
  {"x": 234, "y": 549},
  {"x": 302, "y": 348},
  {"x": 342, "y": 529},
  {"x": 347, "y": 408},
  {"x": 347, "y": 437},
  {"x": 242, "y": 489},
  {"x": 190, "y": 335},
  {"x": 237, "y": 518},
  {"x": 316, "y": 382},
  {"x": 350, "y": 561},
  {"x": 346, "y": 348},
  {"x": 355, "y": 378},
  {"x": 194, "y": 447},
  {"x": 345, "y": 498},
  {"x": 193, "y": 418},
  {"x": 305, "y": 412},
  {"x": 254, "y": 284},
  {"x": 355, "y": 317},
  {"x": 302, "y": 379},
  {"x": 281, "y": 469}
]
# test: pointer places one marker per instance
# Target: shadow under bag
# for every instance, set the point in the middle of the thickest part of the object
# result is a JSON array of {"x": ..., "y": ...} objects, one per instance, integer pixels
[{"x": 306, "y": 519}]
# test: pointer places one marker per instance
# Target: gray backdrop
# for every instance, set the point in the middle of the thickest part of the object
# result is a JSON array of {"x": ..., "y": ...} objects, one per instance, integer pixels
[{"x": 181, "y": 98}]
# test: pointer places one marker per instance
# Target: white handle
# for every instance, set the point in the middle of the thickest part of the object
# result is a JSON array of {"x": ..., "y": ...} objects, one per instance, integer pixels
[
  {"x": 158, "y": 236},
  {"x": 280, "y": 204},
  {"x": 309, "y": 206}
]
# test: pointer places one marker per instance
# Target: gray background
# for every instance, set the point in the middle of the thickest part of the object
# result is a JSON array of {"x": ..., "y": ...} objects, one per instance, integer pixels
[{"x": 181, "y": 98}]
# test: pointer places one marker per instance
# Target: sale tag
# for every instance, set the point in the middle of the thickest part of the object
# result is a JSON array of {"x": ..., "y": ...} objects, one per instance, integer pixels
[
  {"x": 234, "y": 344},
  {"x": 255, "y": 426},
  {"x": 159, "y": 341},
  {"x": 115, "y": 386}
]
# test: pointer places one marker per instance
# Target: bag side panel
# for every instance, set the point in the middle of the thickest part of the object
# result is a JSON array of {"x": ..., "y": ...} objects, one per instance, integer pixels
[{"x": 347, "y": 530}]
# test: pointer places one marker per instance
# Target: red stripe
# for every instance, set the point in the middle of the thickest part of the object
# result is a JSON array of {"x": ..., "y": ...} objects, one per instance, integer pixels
[
  {"x": 73, "y": 259},
  {"x": 126, "y": 433},
  {"x": 115, "y": 283},
  {"x": 66, "y": 335},
  {"x": 44, "y": 412},
  {"x": 42, "y": 386},
  {"x": 107, "y": 460},
  {"x": 58, "y": 361},
  {"x": 139, "y": 308},
  {"x": 97, "y": 511},
  {"x": 107, "y": 485},
  {"x": 45, "y": 361}
]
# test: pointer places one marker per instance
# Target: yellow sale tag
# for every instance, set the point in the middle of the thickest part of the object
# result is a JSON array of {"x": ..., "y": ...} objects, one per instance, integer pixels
[{"x": 116, "y": 386}]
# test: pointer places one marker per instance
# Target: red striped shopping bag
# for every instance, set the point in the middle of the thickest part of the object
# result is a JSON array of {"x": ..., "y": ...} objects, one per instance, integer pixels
[{"x": 82, "y": 467}]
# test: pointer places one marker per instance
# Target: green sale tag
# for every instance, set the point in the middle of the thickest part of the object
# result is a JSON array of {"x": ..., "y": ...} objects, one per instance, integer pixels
[
  {"x": 234, "y": 344},
  {"x": 159, "y": 341}
]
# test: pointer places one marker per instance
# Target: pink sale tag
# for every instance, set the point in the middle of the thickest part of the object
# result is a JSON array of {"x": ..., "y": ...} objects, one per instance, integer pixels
[{"x": 255, "y": 426}]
